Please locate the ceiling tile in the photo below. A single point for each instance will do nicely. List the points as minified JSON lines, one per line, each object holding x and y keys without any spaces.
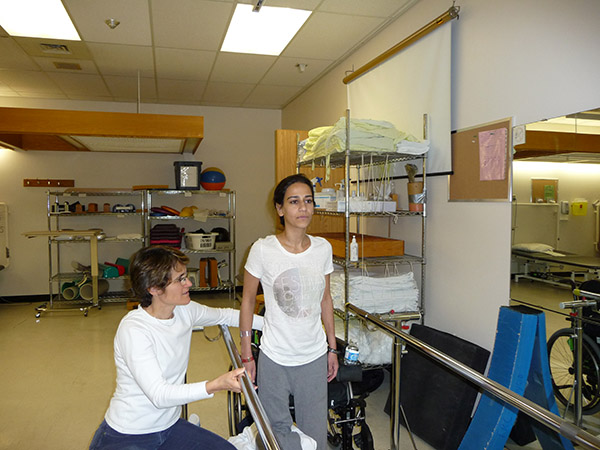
{"x":271,"y":96}
{"x":193,"y":24}
{"x":329,"y":36}
{"x":285,"y":71}
{"x":13,"y":56}
{"x":80,"y":84}
{"x":90,"y":16}
{"x":6,"y":91}
{"x":45,"y":95}
{"x":179,"y":101}
{"x":372,"y":8}
{"x":125,"y":60}
{"x":241,"y":68}
{"x":173,"y":45}
{"x":90,"y":97}
{"x":309,"y":5}
{"x":24,"y":80}
{"x":175,"y":90}
{"x":226,"y":93}
{"x":181,"y":64}
{"x":33,"y":47}
{"x":127,"y":88}
{"x":54,"y":64}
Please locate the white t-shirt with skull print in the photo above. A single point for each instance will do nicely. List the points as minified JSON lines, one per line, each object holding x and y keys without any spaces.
{"x":293,"y":285}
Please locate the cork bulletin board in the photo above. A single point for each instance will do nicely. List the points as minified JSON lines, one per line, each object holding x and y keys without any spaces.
{"x":481,"y":161}
{"x":544,"y":190}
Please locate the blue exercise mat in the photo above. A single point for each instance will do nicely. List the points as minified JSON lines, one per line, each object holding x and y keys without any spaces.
{"x":520,"y":363}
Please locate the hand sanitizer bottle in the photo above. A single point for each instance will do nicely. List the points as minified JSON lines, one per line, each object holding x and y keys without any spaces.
{"x":354,"y":249}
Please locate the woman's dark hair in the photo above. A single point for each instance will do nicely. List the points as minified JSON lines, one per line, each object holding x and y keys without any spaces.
{"x":282,"y":187}
{"x":150,"y":267}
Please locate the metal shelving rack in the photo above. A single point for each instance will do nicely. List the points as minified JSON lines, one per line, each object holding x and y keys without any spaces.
{"x":59,"y":237}
{"x":349,"y":159}
{"x":201,"y":198}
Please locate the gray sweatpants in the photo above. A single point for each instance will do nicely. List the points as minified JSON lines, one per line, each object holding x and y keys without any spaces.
{"x":308,"y":385}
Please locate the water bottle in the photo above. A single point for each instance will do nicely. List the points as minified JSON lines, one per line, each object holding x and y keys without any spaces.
{"x":353,"y":250}
{"x":351,"y":355}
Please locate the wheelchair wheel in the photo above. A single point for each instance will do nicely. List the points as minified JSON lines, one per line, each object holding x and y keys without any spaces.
{"x":561,"y":357}
{"x":235,"y":410}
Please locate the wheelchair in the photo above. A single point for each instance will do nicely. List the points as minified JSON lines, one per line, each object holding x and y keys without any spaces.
{"x":347,"y":428}
{"x":561,"y":358}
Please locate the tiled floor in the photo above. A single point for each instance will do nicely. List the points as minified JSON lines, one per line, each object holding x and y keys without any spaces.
{"x":58,"y":375}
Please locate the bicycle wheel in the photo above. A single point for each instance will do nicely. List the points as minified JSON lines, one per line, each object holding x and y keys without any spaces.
{"x":561,"y":358}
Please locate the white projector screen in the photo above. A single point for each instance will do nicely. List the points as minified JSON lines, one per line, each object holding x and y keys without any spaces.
{"x":414,"y":82}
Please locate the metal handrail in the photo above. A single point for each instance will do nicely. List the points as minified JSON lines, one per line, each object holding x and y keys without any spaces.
{"x":256,"y":409}
{"x":533,"y":410}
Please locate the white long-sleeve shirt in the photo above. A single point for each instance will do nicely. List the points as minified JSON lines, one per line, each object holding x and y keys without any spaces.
{"x":151,"y":358}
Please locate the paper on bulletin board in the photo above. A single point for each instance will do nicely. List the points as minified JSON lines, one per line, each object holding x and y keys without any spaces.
{"x":492,"y":154}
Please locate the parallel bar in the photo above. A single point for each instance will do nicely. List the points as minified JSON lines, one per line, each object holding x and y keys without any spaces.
{"x":258,"y":413}
{"x":452,"y":13}
{"x":347,"y":218}
{"x":581,"y":293}
{"x":545,"y":417}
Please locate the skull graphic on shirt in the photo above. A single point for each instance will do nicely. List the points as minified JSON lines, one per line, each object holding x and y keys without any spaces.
{"x":298,"y":291}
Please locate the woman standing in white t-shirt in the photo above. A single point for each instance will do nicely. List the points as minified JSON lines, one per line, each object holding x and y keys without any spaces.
{"x":298,"y":347}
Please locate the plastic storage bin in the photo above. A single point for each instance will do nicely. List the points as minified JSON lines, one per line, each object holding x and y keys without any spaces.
{"x":200,"y":241}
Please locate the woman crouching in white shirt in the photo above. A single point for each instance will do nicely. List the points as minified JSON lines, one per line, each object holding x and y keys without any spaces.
{"x":152,"y":348}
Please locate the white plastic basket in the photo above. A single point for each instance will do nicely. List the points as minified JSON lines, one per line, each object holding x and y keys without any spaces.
{"x":200,"y":241}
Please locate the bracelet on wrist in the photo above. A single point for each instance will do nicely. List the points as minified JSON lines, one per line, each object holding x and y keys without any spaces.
{"x":333,"y":350}
{"x":245,"y":333}
{"x":248,"y":359}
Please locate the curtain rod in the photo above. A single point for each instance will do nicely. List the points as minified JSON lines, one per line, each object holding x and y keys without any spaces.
{"x":449,"y":15}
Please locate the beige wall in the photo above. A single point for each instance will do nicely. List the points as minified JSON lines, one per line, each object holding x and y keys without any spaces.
{"x":527,"y":60}
{"x":239,"y":141}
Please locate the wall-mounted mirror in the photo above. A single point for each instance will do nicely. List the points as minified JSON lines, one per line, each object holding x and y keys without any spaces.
{"x":556,"y":226}
{"x":556,"y":197}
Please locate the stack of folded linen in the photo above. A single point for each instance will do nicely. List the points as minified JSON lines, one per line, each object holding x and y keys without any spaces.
{"x":398,"y":293}
{"x":365,"y":136}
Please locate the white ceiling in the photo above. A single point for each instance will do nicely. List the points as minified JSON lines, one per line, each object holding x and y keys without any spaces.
{"x":173,"y":47}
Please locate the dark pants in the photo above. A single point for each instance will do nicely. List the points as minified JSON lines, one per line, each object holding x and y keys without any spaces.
{"x":181,"y":435}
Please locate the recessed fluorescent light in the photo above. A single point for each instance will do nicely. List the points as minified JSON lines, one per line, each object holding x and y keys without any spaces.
{"x":38,"y":19}
{"x":262,"y":33}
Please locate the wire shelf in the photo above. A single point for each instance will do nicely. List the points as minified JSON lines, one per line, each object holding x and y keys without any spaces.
{"x":360,"y":158}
